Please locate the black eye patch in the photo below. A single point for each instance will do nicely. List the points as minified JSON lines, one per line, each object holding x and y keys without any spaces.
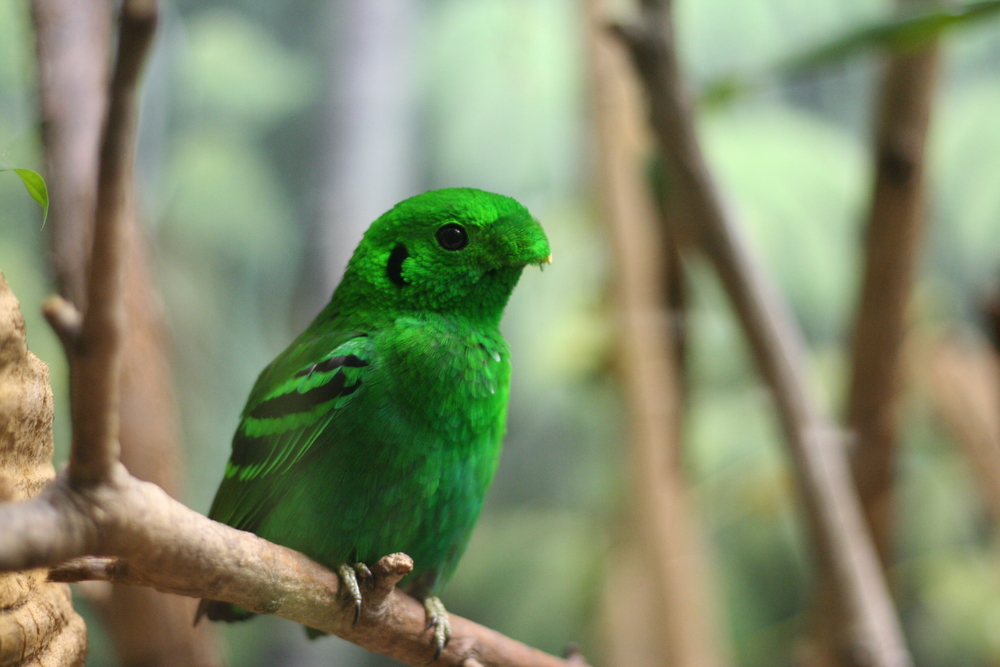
{"x":452,"y":236}
{"x":394,"y":267}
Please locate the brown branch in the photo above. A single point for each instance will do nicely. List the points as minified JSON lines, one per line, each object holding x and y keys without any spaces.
{"x":866,"y":631}
{"x":891,"y":251}
{"x":95,"y":360}
{"x":71,"y":39}
{"x":88,"y":568}
{"x":657,"y":604}
{"x":158,"y":542}
{"x":675,"y":301}
{"x":64,"y":319}
{"x":148,"y":627}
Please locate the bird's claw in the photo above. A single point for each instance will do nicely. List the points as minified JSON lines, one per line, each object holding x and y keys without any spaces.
{"x":362,"y":571}
{"x":349,"y":575}
{"x":437,"y":618}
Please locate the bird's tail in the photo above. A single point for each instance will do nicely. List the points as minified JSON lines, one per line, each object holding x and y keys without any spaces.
{"x":214,"y":610}
{"x":221,"y":611}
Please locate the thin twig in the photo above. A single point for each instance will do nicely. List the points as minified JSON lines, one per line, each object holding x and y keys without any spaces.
{"x":388,"y":572}
{"x":88,"y":568}
{"x":675,"y":299}
{"x":867,"y":631}
{"x":64,"y":319}
{"x":95,"y":364}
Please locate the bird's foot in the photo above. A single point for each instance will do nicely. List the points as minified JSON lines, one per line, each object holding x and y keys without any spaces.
{"x":437,"y":618}
{"x":362,"y":570}
{"x":349,"y":574}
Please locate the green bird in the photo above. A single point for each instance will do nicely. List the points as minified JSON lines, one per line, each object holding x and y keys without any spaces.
{"x":379,"y":428}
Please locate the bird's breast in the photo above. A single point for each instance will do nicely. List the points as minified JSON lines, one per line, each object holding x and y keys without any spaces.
{"x":451,"y":379}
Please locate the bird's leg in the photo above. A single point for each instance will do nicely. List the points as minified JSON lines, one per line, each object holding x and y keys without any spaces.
{"x":437,"y":618}
{"x":349,"y":575}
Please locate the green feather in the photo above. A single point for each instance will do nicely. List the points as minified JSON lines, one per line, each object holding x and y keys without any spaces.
{"x":379,"y":428}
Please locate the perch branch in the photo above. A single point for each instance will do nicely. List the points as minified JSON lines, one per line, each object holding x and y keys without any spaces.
{"x":867,"y":632}
{"x":149,"y":539}
{"x":88,"y":568}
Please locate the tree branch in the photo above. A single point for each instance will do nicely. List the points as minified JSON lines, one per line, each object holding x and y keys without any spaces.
{"x":867,"y":631}
{"x":657,"y":599}
{"x":891,"y":249}
{"x":71,"y":40}
{"x":95,"y":362}
{"x":155,"y":541}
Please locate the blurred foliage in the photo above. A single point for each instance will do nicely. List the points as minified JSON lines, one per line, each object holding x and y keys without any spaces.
{"x":902,"y":34}
{"x":230,"y":148}
{"x":776,"y":185}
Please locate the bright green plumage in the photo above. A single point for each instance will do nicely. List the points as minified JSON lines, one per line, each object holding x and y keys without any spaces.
{"x":378,"y":430}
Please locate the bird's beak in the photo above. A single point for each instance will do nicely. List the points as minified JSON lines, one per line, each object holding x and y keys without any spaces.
{"x":547,"y":260}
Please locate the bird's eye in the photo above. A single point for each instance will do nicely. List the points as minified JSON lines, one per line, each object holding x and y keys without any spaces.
{"x":452,"y":236}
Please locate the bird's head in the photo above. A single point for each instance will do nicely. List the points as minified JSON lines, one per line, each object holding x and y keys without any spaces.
{"x":457,"y":250}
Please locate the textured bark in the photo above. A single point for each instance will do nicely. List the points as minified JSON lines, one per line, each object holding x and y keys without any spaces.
{"x":656,"y":599}
{"x":73,"y":41}
{"x":863,"y":626}
{"x":155,"y":541}
{"x":892,"y":246}
{"x":37,"y":623}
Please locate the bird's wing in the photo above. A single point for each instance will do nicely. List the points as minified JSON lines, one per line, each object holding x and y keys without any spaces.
{"x":293,"y":402}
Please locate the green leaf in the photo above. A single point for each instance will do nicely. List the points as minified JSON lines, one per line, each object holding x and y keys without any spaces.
{"x":904,"y":33}
{"x":35,"y":185}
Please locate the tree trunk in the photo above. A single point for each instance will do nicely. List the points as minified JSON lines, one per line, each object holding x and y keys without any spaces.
{"x":38,"y":626}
